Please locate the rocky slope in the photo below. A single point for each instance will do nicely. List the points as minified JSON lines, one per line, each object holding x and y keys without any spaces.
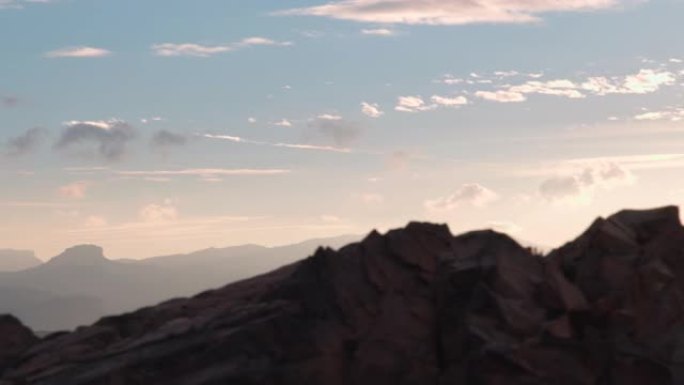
{"x":415,"y":306}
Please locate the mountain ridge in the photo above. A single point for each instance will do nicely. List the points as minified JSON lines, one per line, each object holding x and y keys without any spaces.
{"x":413,"y":306}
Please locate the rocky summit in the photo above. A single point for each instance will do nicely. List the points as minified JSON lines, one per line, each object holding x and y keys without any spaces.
{"x":415,"y":306}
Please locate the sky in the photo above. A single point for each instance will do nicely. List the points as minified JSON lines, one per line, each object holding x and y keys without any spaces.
{"x":165,"y":126}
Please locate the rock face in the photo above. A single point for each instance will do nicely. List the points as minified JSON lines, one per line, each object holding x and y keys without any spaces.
{"x":15,"y":338}
{"x":415,"y":306}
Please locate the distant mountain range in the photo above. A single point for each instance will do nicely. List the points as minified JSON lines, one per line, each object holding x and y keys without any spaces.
{"x":15,"y":260}
{"x":81,"y":285}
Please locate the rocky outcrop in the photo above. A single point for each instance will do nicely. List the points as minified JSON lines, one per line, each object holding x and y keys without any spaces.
{"x":414,"y":306}
{"x":15,"y":339}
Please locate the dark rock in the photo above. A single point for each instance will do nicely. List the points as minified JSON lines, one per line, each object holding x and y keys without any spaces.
{"x":415,"y":306}
{"x":15,"y":339}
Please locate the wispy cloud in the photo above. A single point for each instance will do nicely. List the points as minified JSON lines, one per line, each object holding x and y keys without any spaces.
{"x":78,"y":52}
{"x":200,"y":50}
{"x":385,"y":32}
{"x":205,"y":172}
{"x":296,"y":146}
{"x":472,"y":194}
{"x":446,"y":12}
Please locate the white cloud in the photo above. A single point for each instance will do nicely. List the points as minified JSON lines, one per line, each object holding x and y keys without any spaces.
{"x":189,"y":49}
{"x":329,"y":117}
{"x":671,"y":114}
{"x":200,"y":50}
{"x":95,"y":221}
{"x":470,"y":194}
{"x":501,"y":96}
{"x":371,"y":109}
{"x":412,"y":104}
{"x":296,"y":146}
{"x":644,"y":82}
{"x":378,"y":32}
{"x":78,"y":52}
{"x":559,"y":87}
{"x":449,"y":101}
{"x":446,"y":12}
{"x":283,"y":123}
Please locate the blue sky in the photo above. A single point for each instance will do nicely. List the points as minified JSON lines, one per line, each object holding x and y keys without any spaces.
{"x":164,"y":126}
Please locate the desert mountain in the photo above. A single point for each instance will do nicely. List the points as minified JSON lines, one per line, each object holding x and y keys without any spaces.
{"x":81,"y":285}
{"x":15,"y":260}
{"x":415,"y":306}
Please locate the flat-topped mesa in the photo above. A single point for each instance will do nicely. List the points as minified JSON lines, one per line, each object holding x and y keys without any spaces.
{"x":82,"y":255}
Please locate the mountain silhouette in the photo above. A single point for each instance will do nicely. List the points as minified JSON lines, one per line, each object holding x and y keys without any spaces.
{"x":81,"y":285}
{"x":15,"y":260}
{"x":414,"y":306}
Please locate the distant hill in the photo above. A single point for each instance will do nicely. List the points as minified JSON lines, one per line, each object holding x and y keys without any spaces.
{"x":15,"y":260}
{"x":81,"y":285}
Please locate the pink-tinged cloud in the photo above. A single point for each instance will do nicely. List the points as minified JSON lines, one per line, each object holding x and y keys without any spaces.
{"x":447,"y":12}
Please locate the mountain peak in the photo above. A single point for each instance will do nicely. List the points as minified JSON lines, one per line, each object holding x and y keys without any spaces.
{"x":80,"y":255}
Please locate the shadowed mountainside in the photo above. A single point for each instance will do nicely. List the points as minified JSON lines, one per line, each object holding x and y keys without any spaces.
{"x":414,"y":306}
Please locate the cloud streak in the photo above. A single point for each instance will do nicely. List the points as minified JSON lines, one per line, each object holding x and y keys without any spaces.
{"x":200,"y":50}
{"x":446,"y":12}
{"x":78,"y":52}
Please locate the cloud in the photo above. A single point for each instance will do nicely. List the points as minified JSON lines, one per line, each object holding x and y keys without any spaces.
{"x":646,"y":81}
{"x":378,"y":32}
{"x":454,"y":102}
{"x":24,"y":143}
{"x":204,"y":172}
{"x":446,"y":12}
{"x":159,"y":213}
{"x":372,"y":198}
{"x":188,"y":49}
{"x":76,"y":190}
{"x":643,"y":82}
{"x":342,"y":132}
{"x":78,"y":52}
{"x":109,"y":138}
{"x":94,"y":221}
{"x":296,"y":146}
{"x":200,"y":50}
{"x":472,"y":194}
{"x":283,"y":123}
{"x":413,"y":104}
{"x":672,"y":114}
{"x":371,"y":110}
{"x":9,"y":101}
{"x":19,"y":4}
{"x":501,"y":96}
{"x":580,"y":186}
{"x":166,"y":139}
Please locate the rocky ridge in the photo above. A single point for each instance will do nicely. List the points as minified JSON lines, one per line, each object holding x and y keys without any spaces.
{"x":415,"y":306}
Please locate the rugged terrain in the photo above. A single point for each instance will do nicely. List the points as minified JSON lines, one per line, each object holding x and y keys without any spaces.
{"x":415,"y":306}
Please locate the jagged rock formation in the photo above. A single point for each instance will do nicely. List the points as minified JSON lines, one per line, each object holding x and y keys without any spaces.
{"x":415,"y":306}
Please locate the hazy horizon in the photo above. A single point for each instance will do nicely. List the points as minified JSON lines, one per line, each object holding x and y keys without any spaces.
{"x":162,"y":127}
